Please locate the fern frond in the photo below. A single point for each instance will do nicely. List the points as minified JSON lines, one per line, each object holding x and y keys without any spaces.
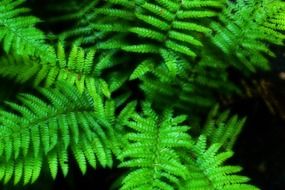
{"x":172,"y":24}
{"x":145,"y":67}
{"x":48,"y":128}
{"x":206,"y":169}
{"x":168,"y":28}
{"x":93,"y":22}
{"x":79,"y":68}
{"x":183,"y":94}
{"x":171,"y":66}
{"x":245,"y":30}
{"x":222,"y":128}
{"x":152,"y":151}
{"x":19,"y":34}
{"x":196,"y":86}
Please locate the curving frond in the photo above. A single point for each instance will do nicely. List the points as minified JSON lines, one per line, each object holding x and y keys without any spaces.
{"x":207,"y":170}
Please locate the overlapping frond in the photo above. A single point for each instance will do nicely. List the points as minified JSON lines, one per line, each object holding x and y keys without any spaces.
{"x":195,"y":86}
{"x":245,"y":30}
{"x":19,"y":34}
{"x":172,"y":29}
{"x":66,"y":120}
{"x":183,"y":94}
{"x":79,"y":68}
{"x":152,"y":152}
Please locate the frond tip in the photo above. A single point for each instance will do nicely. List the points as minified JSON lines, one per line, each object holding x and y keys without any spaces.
{"x":222,"y":128}
{"x":206,"y":170}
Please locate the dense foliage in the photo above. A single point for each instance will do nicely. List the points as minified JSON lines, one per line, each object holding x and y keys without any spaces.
{"x":131,"y":84}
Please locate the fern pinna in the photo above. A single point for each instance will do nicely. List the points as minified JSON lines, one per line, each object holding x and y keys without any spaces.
{"x":102,"y":83}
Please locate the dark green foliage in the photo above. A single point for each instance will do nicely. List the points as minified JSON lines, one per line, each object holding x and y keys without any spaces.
{"x":104,"y":80}
{"x":222,"y":128}
{"x":92,"y":22}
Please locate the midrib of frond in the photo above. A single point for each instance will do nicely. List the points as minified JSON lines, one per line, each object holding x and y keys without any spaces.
{"x":156,"y":159}
{"x":202,"y":171}
{"x":170,"y":22}
{"x":173,"y":20}
{"x":87,"y":76}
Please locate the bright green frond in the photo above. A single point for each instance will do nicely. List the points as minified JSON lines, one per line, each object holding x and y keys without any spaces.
{"x":48,"y":128}
{"x":172,"y":24}
{"x":152,"y":152}
{"x":80,"y":68}
{"x":19,"y":34}
{"x":207,"y":170}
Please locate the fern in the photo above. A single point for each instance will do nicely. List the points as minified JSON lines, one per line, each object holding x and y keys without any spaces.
{"x":207,"y":171}
{"x":153,"y":151}
{"x":165,"y":22}
{"x":50,"y":128}
{"x":94,"y":22}
{"x":18,"y":32}
{"x":161,"y":27}
{"x":171,"y":29}
{"x":88,"y":69}
{"x":199,"y":90}
{"x":222,"y":129}
{"x":77,"y":69}
{"x":245,"y":29}
{"x":159,"y":149}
